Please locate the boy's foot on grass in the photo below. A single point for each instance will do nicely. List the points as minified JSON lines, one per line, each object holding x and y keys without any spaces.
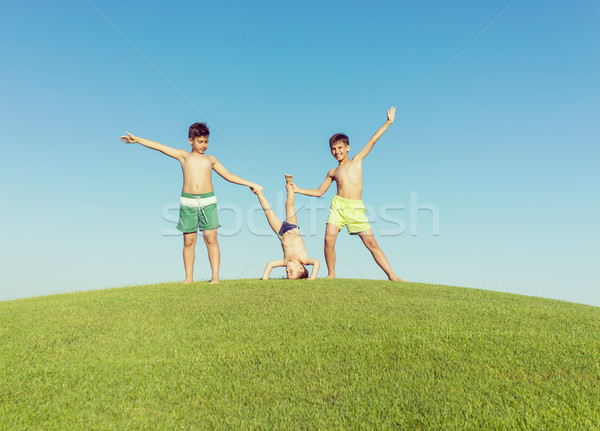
{"x":186,"y":281}
{"x":396,"y":278}
{"x":330,"y":276}
{"x":214,"y":281}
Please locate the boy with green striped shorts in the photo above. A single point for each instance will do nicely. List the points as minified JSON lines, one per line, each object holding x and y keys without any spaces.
{"x":347,"y":209}
{"x":198,"y":203}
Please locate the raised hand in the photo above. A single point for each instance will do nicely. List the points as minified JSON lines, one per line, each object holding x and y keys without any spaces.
{"x":391,"y":113}
{"x":129,"y":138}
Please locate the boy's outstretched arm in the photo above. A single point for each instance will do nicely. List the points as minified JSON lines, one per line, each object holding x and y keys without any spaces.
{"x":391,"y":113}
{"x":316,"y":192}
{"x":228,"y":176}
{"x":270,"y":266}
{"x":171,"y":152}
{"x":315,"y":264}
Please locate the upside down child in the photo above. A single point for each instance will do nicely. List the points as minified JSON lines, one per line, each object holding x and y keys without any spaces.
{"x":295,"y":257}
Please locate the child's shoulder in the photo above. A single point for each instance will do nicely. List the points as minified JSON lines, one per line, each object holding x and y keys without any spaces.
{"x":200,"y":159}
{"x":211,"y":159}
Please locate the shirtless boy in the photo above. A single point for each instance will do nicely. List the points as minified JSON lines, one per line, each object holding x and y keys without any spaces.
{"x":294,"y":251}
{"x":198,"y":202}
{"x":347,"y":209}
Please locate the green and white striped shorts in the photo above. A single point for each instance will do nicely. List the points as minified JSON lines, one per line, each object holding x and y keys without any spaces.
{"x":198,"y":211}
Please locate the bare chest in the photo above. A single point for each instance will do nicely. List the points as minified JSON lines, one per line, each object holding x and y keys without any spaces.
{"x":293,"y":245}
{"x":349,"y":173}
{"x":196,"y":165}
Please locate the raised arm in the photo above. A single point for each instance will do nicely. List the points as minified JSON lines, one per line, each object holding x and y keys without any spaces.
{"x":228,"y":176}
{"x":315,"y":264}
{"x":391,"y":113}
{"x":171,"y":152}
{"x":316,"y":192}
{"x":270,"y":266}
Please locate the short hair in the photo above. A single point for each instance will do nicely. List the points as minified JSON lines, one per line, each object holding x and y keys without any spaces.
{"x":339,"y":137}
{"x":304,"y":273}
{"x":198,"y":129}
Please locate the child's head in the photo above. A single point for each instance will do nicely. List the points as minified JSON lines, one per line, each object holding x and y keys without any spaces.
{"x":198,"y":135}
{"x":339,"y":137}
{"x":295,"y":270}
{"x":198,"y":129}
{"x":339,"y":144}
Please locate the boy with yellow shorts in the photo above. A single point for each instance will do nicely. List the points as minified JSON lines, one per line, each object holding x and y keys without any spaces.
{"x":347,"y":209}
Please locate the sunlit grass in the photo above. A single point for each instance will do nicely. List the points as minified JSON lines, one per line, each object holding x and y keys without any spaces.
{"x":340,"y":354}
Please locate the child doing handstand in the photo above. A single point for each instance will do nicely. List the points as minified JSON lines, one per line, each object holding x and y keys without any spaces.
{"x":294,"y":251}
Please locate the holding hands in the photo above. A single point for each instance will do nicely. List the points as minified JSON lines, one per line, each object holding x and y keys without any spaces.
{"x":289,"y":186}
{"x":256,"y":189}
{"x":289,"y":183}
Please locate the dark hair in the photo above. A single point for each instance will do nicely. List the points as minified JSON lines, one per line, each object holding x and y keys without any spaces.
{"x":339,"y":137}
{"x":304,"y":273}
{"x":198,"y":129}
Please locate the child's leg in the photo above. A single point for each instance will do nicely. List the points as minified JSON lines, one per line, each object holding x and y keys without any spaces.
{"x":290,"y":211}
{"x":369,"y":240}
{"x":274,"y":222}
{"x":189,"y":254}
{"x":331,"y":233}
{"x":214,"y":254}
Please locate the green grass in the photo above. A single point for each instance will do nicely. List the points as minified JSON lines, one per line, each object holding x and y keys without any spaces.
{"x":343,"y":354}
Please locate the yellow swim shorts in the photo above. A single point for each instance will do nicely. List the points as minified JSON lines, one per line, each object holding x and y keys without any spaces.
{"x":349,"y":213}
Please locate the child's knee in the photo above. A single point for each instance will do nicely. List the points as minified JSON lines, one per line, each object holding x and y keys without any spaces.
{"x":189,"y":241}
{"x":210,"y":239}
{"x":371,"y":244}
{"x":330,"y":240}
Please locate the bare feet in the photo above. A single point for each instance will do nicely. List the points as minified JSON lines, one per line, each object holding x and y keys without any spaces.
{"x":214,"y":281}
{"x":186,"y":281}
{"x":396,"y":278}
{"x":331,"y":276}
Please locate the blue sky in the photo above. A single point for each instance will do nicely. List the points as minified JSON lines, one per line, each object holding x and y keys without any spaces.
{"x":503,"y":148}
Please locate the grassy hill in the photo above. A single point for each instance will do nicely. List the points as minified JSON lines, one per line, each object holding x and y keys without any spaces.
{"x":341,"y":354}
